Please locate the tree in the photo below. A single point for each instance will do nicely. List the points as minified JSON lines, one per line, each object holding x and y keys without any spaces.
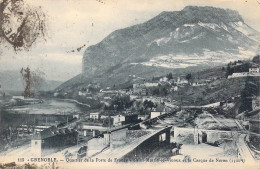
{"x":107,"y":122}
{"x":33,"y":81}
{"x":164,"y":91}
{"x":156,"y":91}
{"x":26,"y":74}
{"x":256,"y":59}
{"x":148,"y":104}
{"x":228,"y":70}
{"x":189,"y":77}
{"x":169,"y":76}
{"x":120,"y":103}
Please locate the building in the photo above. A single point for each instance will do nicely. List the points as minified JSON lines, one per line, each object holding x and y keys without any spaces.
{"x":254,"y":69}
{"x":147,"y":84}
{"x":175,"y":88}
{"x":137,"y":88}
{"x":143,"y":117}
{"x":81,"y":93}
{"x":18,"y":97}
{"x":134,"y":97}
{"x":256,"y":103}
{"x":77,"y":116}
{"x":156,"y":114}
{"x":244,"y":74}
{"x":137,"y":144}
{"x":52,"y":140}
{"x":199,"y":84}
{"x":164,"y":79}
{"x":180,"y":81}
{"x":124,"y":119}
{"x":125,"y":91}
{"x":35,"y":129}
{"x":118,"y":138}
{"x":118,"y":120}
{"x":108,"y":91}
{"x":95,"y":116}
{"x":55,"y":94}
{"x":160,"y":110}
{"x":92,"y":129}
{"x":204,"y":136}
{"x":144,"y":92}
{"x":156,"y":100}
{"x":97,"y":144}
{"x":104,"y":117}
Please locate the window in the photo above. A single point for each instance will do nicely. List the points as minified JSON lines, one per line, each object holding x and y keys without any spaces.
{"x":163,"y":137}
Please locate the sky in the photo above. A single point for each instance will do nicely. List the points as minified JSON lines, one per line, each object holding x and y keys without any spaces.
{"x":74,"y":23}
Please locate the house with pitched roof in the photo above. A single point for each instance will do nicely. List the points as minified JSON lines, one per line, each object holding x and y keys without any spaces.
{"x":52,"y":140}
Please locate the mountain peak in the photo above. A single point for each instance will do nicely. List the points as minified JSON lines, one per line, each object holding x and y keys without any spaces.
{"x":205,"y":14}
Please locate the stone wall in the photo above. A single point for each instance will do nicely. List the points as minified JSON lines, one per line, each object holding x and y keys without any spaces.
{"x":209,"y":136}
{"x":118,"y":138}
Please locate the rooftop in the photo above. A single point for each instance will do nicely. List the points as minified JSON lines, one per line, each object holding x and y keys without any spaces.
{"x":50,"y":132}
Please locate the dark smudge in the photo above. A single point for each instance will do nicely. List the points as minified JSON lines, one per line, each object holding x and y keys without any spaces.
{"x":20,"y":24}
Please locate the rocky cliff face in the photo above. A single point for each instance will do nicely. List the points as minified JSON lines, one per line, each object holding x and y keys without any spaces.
{"x":191,"y":37}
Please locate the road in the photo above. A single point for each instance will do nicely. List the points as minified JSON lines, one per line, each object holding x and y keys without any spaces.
{"x":244,"y":150}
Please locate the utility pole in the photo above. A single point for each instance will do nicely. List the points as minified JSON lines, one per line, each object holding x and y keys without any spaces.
{"x":77,"y":139}
{"x":109,"y":124}
{"x":67,"y":121}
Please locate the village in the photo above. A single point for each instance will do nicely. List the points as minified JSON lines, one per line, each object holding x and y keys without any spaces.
{"x":142,"y":121}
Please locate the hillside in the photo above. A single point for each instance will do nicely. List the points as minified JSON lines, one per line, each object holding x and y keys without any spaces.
{"x":221,"y":89}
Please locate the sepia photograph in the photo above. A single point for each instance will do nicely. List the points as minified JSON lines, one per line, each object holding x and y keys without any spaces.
{"x":129,"y":83}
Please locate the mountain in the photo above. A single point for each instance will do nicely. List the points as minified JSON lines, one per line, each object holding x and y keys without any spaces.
{"x":191,"y":37}
{"x":12,"y":81}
